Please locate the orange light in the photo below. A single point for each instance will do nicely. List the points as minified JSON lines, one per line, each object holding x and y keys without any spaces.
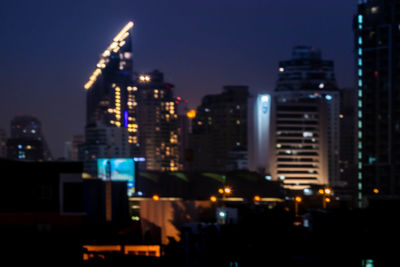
{"x":156,"y":198}
{"x":257,"y":198}
{"x":327,"y":200}
{"x":321,"y":191}
{"x":298,"y":199}
{"x":221,"y":191}
{"x":376,"y":191}
{"x":227,"y":190}
{"x":213,"y":199}
{"x":191,"y":114}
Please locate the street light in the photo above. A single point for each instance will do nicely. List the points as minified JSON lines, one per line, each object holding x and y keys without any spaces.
{"x":213,"y":199}
{"x":297,"y":200}
{"x":325,"y":192}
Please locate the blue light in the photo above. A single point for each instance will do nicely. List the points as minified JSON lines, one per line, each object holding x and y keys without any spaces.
{"x":328,"y":97}
{"x":360,"y":18}
{"x":360,"y":62}
{"x":359,"y":72}
{"x":126,"y":118}
{"x":139,"y":159}
{"x":360,"y":51}
{"x":360,"y":83}
{"x":360,"y":41}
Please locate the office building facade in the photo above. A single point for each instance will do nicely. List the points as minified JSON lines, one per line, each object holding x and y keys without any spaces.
{"x":110,"y":104}
{"x":306,"y":105}
{"x":219,"y":131}
{"x":377,"y":39}
{"x":158,"y":123}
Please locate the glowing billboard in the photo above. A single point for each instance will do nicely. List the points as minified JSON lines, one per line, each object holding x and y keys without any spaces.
{"x":117,"y":169}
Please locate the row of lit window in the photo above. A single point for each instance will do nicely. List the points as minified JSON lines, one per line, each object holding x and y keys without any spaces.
{"x":360,"y":105}
{"x":117,"y":105}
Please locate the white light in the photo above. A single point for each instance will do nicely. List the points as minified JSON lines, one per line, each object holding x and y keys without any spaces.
{"x":307,"y":134}
{"x":264,"y":98}
{"x":281,"y":69}
{"x":321,"y":86}
{"x":307,"y":191}
{"x":222,"y":214}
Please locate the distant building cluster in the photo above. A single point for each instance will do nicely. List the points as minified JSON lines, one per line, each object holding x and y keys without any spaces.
{"x":305,"y":133}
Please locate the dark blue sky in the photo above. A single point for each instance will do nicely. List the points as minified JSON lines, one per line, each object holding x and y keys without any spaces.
{"x":48,"y":49}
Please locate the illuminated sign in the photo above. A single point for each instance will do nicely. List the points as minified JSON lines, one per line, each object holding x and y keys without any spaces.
{"x":117,"y":169}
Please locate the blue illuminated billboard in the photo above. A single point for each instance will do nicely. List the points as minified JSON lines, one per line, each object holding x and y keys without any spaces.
{"x":117,"y":169}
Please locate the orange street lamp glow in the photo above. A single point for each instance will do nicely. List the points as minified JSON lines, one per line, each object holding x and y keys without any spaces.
{"x":376,"y":191}
{"x":298,"y":199}
{"x":257,"y":198}
{"x":213,"y":199}
{"x":191,"y":114}
{"x":227,"y":190}
{"x":220,"y":190}
{"x":156,"y":198}
{"x":327,"y":200}
{"x":321,"y":191}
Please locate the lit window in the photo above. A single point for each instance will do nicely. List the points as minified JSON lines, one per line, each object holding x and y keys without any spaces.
{"x":281,"y":69}
{"x":374,"y":9}
{"x":360,"y":18}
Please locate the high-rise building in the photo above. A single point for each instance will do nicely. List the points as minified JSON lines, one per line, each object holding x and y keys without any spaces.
{"x":158,"y":123}
{"x":377,"y":40}
{"x":27,"y":141}
{"x":3,"y":144}
{"x":109,"y":86}
{"x":219,"y":131}
{"x":305,"y":112}
{"x":110,"y":103}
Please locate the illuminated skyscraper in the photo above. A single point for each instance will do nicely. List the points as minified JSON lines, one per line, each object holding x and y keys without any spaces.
{"x":219,"y":131}
{"x":158,"y":121}
{"x":306,"y":121}
{"x":110,"y":86}
{"x":110,"y":102}
{"x":377,"y":57}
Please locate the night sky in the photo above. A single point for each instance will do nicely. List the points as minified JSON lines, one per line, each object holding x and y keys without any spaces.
{"x":48,"y":49}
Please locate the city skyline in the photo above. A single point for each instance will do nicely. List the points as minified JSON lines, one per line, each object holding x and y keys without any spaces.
{"x":57,"y":44}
